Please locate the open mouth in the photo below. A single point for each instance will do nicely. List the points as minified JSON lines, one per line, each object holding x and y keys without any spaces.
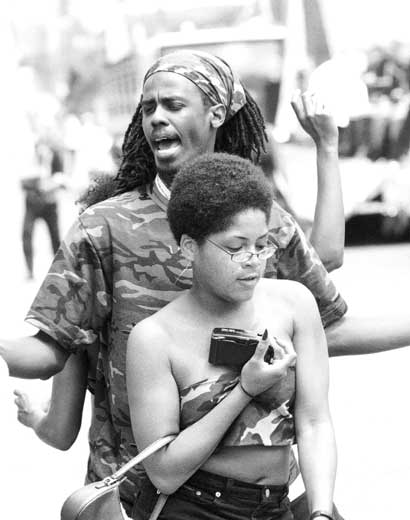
{"x":166,"y":144}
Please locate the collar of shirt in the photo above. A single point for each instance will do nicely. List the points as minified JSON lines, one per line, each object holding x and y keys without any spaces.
{"x":160,"y":193}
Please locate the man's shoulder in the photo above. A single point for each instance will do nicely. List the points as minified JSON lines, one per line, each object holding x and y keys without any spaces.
{"x":130,"y":200}
{"x":131,"y":207}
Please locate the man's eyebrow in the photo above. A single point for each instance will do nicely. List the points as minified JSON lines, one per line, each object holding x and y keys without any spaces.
{"x":166,"y":99}
{"x":173,"y":97}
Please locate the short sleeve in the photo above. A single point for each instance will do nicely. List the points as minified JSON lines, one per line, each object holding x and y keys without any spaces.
{"x":297,"y":260}
{"x":74,"y":301}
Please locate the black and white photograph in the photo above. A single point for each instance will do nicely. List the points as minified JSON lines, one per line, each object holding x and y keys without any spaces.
{"x":205,"y":267}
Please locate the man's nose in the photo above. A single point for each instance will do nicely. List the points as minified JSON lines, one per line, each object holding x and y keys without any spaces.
{"x":158,"y":116}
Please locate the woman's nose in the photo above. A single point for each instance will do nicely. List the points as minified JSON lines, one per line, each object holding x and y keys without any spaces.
{"x":254,"y":259}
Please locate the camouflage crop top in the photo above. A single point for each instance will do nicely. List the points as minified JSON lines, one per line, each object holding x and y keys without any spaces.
{"x":266,"y":420}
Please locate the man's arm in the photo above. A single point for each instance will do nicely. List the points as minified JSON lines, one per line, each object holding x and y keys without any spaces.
{"x":60,"y":424}
{"x":354,"y":334}
{"x":33,"y":357}
{"x":328,"y":229}
{"x":297,"y":260}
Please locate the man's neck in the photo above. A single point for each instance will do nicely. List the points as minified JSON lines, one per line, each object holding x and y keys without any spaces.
{"x":167,"y":177}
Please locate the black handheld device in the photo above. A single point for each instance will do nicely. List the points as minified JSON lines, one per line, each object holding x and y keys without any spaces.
{"x":234,"y":346}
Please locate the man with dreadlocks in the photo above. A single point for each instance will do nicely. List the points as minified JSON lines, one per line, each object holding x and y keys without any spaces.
{"x":119,"y":263}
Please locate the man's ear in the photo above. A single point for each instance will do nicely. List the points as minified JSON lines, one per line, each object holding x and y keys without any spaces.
{"x":188,"y":247}
{"x":218,"y":115}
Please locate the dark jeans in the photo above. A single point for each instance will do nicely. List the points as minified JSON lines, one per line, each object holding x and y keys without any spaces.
{"x":300,"y":509}
{"x":206,"y":496}
{"x":48,"y":212}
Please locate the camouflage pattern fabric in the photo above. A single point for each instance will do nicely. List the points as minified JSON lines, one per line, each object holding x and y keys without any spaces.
{"x":296,"y":259}
{"x":118,"y":265}
{"x":209,"y":73}
{"x":265,"y":421}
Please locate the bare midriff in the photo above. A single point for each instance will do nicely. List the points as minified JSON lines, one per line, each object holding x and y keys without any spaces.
{"x":264,"y":465}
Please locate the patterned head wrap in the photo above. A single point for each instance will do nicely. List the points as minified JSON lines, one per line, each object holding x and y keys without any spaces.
{"x":209,"y":73}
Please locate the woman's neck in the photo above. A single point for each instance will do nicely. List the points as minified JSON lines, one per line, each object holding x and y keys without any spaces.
{"x":219,"y":312}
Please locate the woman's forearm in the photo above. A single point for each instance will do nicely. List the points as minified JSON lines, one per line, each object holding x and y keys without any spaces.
{"x":318,"y":460}
{"x":194,"y":445}
{"x":328,"y":231}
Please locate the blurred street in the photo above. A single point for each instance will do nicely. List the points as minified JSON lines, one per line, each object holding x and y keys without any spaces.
{"x":368,"y":393}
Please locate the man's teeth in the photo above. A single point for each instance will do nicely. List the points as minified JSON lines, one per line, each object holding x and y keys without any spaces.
{"x":164,"y":144}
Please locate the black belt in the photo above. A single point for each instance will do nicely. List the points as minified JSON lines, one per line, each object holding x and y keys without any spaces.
{"x":230,"y":487}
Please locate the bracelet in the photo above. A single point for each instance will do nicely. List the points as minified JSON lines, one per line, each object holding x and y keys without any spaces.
{"x":245,"y":391}
{"x":317,"y":513}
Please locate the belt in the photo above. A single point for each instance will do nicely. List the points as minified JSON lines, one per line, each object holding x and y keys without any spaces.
{"x":219,"y":486}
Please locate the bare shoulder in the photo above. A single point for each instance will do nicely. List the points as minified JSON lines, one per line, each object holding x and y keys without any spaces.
{"x":287,"y":292}
{"x":148,"y":337}
{"x":152,"y":335}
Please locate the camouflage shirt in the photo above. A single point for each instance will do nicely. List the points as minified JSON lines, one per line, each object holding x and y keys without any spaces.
{"x":267,"y":420}
{"x":119,"y":264}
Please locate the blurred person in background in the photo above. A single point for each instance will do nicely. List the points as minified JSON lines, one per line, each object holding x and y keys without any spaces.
{"x":401,"y":143}
{"x":387,"y":80}
{"x":41,"y":198}
{"x":119,"y":263}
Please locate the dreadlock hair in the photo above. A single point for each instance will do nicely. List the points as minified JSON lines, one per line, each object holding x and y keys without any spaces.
{"x":243,"y":135}
{"x":137,"y":168}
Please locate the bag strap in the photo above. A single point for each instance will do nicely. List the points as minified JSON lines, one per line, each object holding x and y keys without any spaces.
{"x":146,"y":452}
{"x":160,"y":503}
{"x":149,"y":450}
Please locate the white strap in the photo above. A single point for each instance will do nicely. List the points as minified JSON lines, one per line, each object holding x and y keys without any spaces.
{"x":158,"y":506}
{"x":149,"y":450}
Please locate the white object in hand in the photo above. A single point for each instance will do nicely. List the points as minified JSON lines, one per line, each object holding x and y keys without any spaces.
{"x":338,"y":83}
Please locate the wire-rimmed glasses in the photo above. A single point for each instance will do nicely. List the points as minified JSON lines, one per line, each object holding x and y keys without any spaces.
{"x":244,"y":256}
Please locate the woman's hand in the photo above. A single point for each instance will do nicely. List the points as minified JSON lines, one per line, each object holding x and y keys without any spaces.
{"x":315,"y":118}
{"x":257,"y":375}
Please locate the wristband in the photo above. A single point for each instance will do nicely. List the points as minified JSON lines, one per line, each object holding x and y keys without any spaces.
{"x":318,"y":512}
{"x":245,"y":391}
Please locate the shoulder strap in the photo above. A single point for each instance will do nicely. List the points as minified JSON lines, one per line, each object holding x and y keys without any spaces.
{"x":149,"y":450}
{"x":159,"y":505}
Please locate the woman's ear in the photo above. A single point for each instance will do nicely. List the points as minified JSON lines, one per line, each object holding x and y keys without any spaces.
{"x":188,"y":247}
{"x":218,"y":115}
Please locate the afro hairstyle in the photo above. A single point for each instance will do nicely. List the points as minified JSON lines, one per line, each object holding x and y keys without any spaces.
{"x":210,"y":190}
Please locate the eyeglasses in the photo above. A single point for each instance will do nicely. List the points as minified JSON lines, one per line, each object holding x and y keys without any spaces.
{"x":244,"y":256}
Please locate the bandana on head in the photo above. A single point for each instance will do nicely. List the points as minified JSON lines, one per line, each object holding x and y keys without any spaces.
{"x":209,"y":73}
